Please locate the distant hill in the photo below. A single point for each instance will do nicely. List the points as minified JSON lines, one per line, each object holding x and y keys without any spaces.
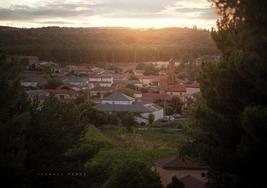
{"x":90,"y":45}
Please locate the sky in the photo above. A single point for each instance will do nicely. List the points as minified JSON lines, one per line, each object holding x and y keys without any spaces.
{"x":108,"y":13}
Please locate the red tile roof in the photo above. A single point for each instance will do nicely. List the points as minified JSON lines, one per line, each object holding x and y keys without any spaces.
{"x":176,"y":88}
{"x":175,"y":163}
{"x":155,"y":96}
{"x":151,"y":77}
{"x":193,"y":85}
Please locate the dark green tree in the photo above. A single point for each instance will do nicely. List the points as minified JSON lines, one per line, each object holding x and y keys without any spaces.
{"x":54,"y":129}
{"x":14,"y":121}
{"x":231,"y":114}
{"x":133,"y":174}
{"x":175,"y":183}
{"x":174,"y":105}
{"x":151,"y":118}
{"x":53,"y":83}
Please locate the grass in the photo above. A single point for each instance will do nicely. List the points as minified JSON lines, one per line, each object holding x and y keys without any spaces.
{"x":114,"y":157}
{"x":171,"y":139}
{"x":178,"y":124}
{"x":146,"y":146}
{"x":95,"y":135}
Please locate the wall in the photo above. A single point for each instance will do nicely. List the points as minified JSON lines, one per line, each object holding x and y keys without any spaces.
{"x":117,"y":102}
{"x":166,"y":175}
{"x":191,"y":91}
{"x":157,"y":114}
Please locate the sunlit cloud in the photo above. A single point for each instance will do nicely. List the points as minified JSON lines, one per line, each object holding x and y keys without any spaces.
{"x":97,"y":13}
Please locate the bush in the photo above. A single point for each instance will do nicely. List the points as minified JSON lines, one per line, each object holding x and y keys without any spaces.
{"x":133,"y":174}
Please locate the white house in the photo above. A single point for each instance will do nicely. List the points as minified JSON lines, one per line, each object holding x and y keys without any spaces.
{"x":118,"y":98}
{"x":119,"y":102}
{"x":101,"y":78}
{"x":76,"y":81}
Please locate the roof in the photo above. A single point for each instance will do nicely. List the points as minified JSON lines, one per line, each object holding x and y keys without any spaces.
{"x":192,"y":182}
{"x":193,"y":85}
{"x":101,"y":76}
{"x":59,"y":91}
{"x":35,"y":92}
{"x":118,"y":96}
{"x":139,"y":107}
{"x":175,"y":163}
{"x":99,"y":88}
{"x":122,"y":108}
{"x":155,"y":96}
{"x":74,"y":79}
{"x":139,"y":71}
{"x":177,"y":88}
{"x":151,"y":77}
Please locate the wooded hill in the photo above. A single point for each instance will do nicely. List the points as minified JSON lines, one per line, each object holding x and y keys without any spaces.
{"x":90,"y":45}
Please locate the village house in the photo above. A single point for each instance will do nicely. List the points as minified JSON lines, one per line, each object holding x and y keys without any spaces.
{"x":37,"y":95}
{"x":119,"y":102}
{"x":76,"y":81}
{"x":137,"y":95}
{"x":192,"y":89}
{"x":32,"y":80}
{"x":100,"y":84}
{"x":53,"y":67}
{"x":177,"y":91}
{"x":62,"y":94}
{"x":99,"y":92}
{"x":153,"y":81}
{"x":139,"y":72}
{"x":152,"y":97}
{"x":118,"y":98}
{"x":183,"y":168}
{"x":101,"y":78}
{"x":98,"y":70}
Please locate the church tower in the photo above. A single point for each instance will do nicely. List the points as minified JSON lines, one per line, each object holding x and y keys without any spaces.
{"x":171,"y":72}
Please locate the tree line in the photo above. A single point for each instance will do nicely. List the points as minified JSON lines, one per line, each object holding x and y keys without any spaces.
{"x":90,"y":45}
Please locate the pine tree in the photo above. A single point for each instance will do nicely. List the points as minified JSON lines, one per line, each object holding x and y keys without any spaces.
{"x":14,"y":120}
{"x":231,"y":115}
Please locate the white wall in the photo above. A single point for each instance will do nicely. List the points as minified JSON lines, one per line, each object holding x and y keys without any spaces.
{"x":191,"y":91}
{"x":157,"y":114}
{"x":117,"y":102}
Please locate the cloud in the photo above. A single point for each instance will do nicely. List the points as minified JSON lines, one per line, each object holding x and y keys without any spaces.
{"x":69,"y":11}
{"x":49,"y":10}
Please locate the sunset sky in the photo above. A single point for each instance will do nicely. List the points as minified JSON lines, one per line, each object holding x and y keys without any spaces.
{"x":108,"y":13}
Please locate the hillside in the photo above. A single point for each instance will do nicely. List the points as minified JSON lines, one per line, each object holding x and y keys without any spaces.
{"x":89,"y":45}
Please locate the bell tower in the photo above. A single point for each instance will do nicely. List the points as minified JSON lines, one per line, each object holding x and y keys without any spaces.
{"x":171,"y":72}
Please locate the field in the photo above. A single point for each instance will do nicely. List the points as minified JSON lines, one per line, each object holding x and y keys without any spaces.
{"x":142,"y":144}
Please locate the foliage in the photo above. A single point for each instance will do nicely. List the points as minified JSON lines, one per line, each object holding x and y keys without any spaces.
{"x":175,"y":183}
{"x":231,"y":115}
{"x":14,"y":121}
{"x":151,"y":118}
{"x":95,"y":135}
{"x":132,"y":77}
{"x":90,"y":45}
{"x":112,"y":158}
{"x":150,"y":69}
{"x":53,"y":83}
{"x":180,"y":124}
{"x":173,"y":106}
{"x":93,"y":116}
{"x":133,"y":174}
